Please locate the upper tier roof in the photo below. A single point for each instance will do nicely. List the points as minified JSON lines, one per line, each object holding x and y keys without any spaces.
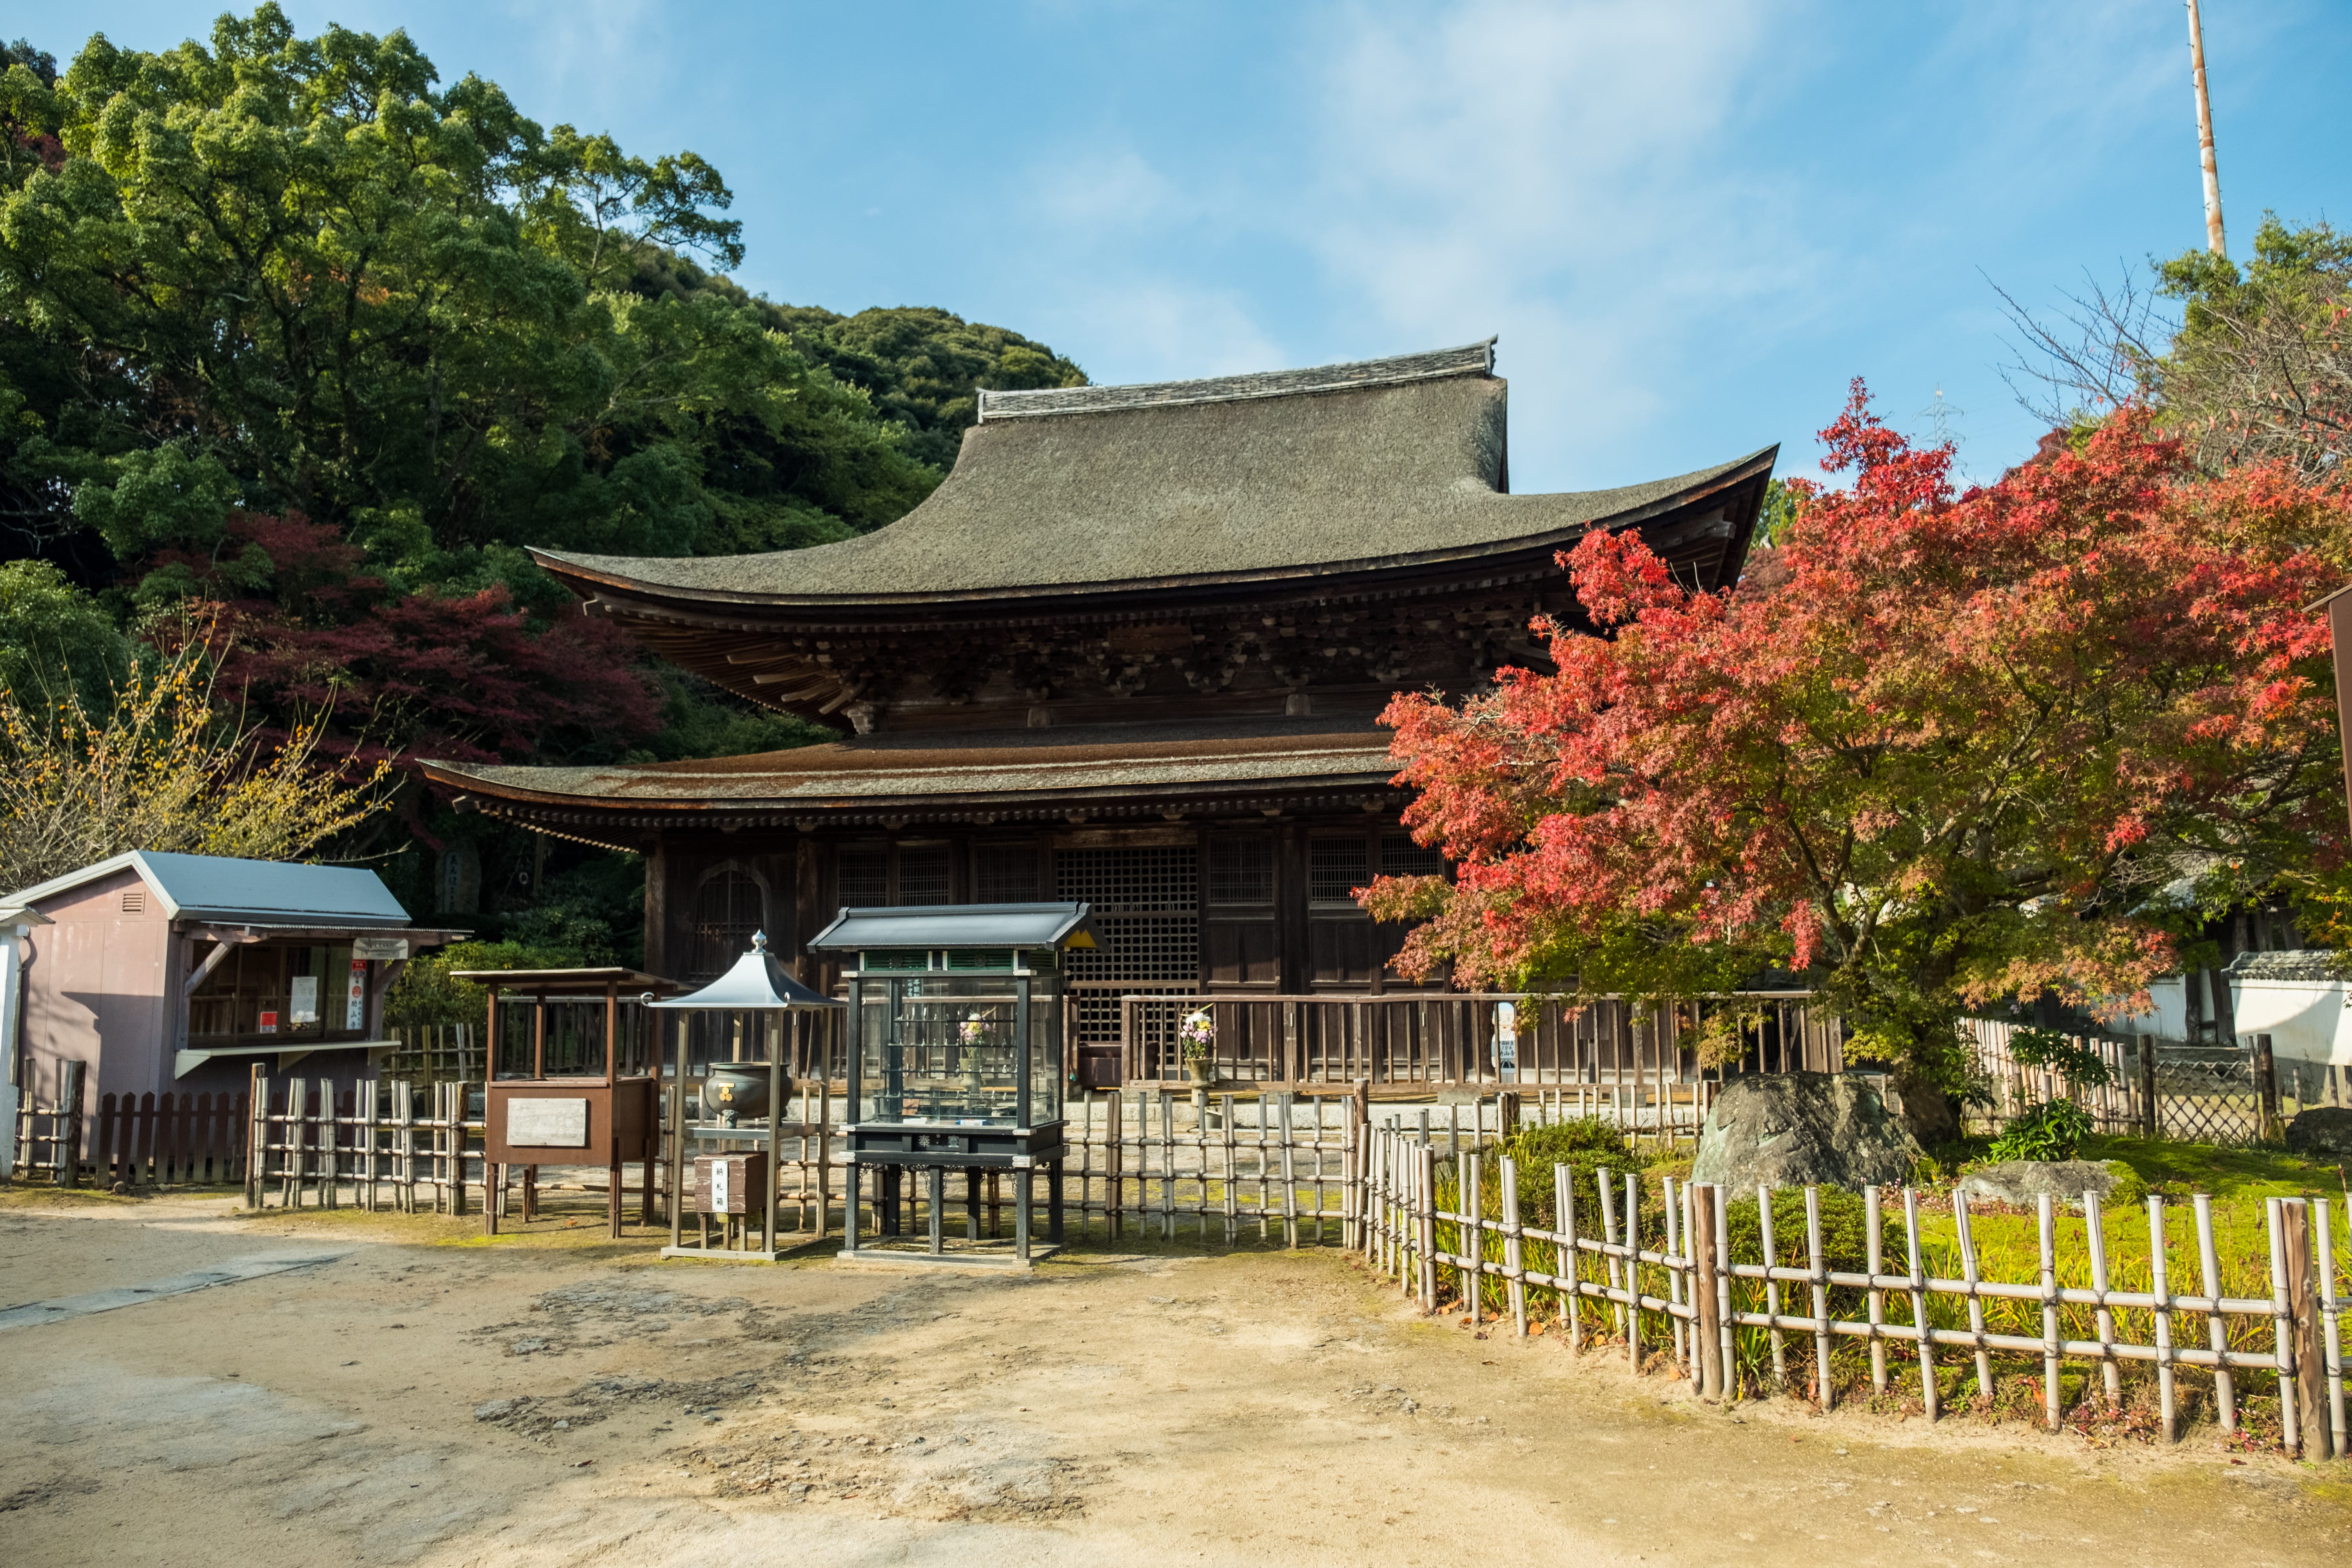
{"x":1383,"y":462}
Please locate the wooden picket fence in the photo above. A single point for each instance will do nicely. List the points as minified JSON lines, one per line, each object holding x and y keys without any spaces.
{"x":1677,"y":1300}
{"x":149,"y":1139}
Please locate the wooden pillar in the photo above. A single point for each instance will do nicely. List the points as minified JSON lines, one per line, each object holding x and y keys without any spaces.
{"x":2151,"y":1123}
{"x":1297,"y":971}
{"x":2266,"y":1090}
{"x":1709,"y":1335}
{"x":71,"y":1096}
{"x":2310,"y":1340}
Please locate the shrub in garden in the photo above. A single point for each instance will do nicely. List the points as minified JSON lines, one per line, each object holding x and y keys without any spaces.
{"x":2054,"y":1129}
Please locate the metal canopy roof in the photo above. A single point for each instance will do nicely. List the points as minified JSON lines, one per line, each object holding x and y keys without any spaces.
{"x":757,"y":984}
{"x":960,"y":925}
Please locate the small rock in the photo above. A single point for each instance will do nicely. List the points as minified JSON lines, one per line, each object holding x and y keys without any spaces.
{"x":2021,"y":1183}
{"x":526,"y":1347}
{"x":494,"y":1410}
{"x":2322,"y":1129}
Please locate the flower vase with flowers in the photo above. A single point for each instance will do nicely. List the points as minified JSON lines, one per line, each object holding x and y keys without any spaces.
{"x":1198,"y":1036}
{"x":975,"y":1035}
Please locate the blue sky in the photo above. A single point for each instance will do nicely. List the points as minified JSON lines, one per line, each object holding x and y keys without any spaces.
{"x":1689,"y":222}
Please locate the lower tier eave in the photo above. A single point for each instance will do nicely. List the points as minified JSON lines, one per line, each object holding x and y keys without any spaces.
{"x":635,"y":830}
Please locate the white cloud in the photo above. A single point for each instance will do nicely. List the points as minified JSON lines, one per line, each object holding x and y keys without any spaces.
{"x":1559,"y":174}
{"x":1143,"y":328}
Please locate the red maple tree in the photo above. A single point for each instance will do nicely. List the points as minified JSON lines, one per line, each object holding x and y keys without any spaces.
{"x":301,"y":629}
{"x":1941,"y":749}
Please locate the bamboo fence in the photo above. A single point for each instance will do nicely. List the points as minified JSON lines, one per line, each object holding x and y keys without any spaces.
{"x":1665,"y":1282}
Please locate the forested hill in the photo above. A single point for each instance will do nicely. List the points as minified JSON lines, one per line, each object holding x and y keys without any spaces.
{"x":301,"y":345}
{"x":298,"y":338}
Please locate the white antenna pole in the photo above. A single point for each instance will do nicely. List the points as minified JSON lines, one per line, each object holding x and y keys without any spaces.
{"x":2205,"y":135}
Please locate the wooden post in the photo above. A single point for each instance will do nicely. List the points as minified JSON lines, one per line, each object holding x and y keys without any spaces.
{"x":457,"y":1148}
{"x":1710,"y":1315}
{"x":2151,"y":1121}
{"x":2310,"y":1357}
{"x":256,"y":1133}
{"x":2266,"y":1087}
{"x":69,"y":1132}
{"x":677,"y":1164}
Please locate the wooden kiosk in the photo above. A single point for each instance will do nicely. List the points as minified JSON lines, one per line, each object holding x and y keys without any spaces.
{"x":574,"y":1080}
{"x":727,"y":1160}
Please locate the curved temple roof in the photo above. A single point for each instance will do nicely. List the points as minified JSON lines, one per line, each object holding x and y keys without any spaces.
{"x":1380,"y":463}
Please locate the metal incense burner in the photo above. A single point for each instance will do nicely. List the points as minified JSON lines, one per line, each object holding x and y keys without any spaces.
{"x":956,"y":1019}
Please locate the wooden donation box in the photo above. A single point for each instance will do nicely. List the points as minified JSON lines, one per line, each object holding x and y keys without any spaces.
{"x":574,"y":1080}
{"x":730,"y":1183}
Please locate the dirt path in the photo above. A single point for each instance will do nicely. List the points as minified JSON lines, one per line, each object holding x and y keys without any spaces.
{"x":426,"y":1400}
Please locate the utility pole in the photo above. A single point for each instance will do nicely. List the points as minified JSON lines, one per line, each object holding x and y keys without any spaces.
{"x":2205,"y":135}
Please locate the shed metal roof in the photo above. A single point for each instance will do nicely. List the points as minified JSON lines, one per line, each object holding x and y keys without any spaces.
{"x":958,"y":925}
{"x":228,"y":890}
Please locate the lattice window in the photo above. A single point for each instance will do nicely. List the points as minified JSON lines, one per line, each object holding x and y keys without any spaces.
{"x":727,"y":910}
{"x":865,"y":878}
{"x":1004,"y":874}
{"x":923,"y":876}
{"x":1146,"y":910}
{"x":1240,"y":868}
{"x":1401,"y":857}
{"x":1336,"y":867}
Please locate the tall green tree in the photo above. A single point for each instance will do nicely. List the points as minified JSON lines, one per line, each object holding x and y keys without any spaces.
{"x":298,"y":275}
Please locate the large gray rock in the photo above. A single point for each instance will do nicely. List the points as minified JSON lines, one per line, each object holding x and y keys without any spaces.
{"x":1802,"y":1129}
{"x":2021,"y":1183}
{"x":2322,"y":1129}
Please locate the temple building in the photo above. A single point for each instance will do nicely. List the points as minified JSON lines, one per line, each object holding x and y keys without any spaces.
{"x":1132,"y":651}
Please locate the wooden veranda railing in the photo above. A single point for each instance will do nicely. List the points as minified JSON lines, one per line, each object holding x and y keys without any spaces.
{"x":1446,"y":1038}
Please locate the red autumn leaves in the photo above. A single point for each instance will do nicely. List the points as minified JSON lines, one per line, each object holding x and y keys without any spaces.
{"x":1946,"y":755}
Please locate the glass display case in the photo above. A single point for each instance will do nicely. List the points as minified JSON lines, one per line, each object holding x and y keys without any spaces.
{"x":956,"y":1016}
{"x":975,"y":1045}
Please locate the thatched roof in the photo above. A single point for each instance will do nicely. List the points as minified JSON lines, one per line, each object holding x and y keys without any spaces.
{"x":1386,"y":462}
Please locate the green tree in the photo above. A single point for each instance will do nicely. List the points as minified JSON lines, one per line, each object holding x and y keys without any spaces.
{"x":2261,"y":368}
{"x":297,"y":275}
{"x":57,"y":643}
